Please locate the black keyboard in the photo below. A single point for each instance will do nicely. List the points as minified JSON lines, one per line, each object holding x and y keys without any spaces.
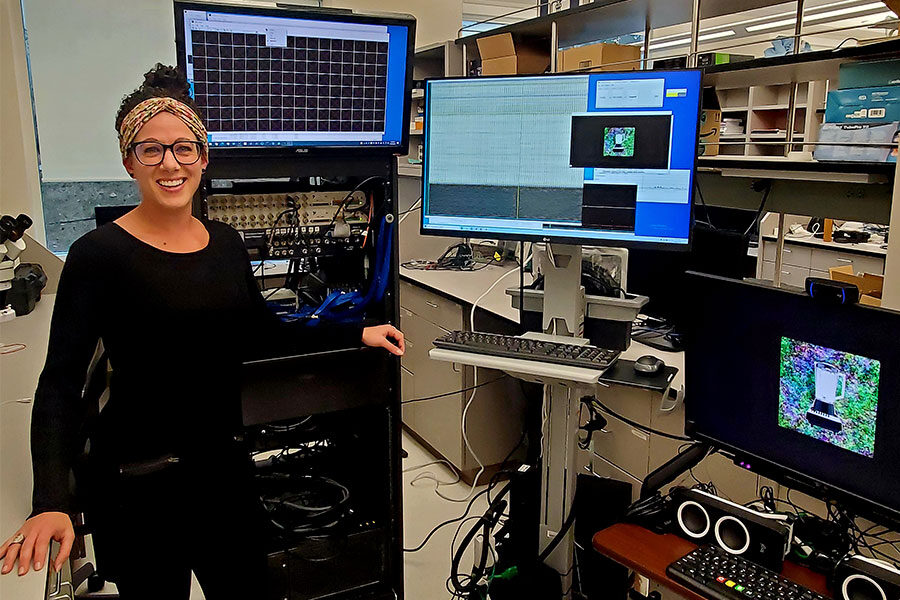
{"x":588,"y":357}
{"x":715,"y":574}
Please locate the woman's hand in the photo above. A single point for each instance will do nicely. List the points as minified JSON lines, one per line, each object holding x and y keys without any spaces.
{"x":384,"y":336}
{"x":38,"y":531}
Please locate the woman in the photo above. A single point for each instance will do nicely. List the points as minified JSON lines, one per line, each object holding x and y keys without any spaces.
{"x":176,"y":305}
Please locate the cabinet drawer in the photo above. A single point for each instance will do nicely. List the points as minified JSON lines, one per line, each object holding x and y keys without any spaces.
{"x":793,"y":276}
{"x":623,"y":446}
{"x":439,"y":422}
{"x":433,"y":307}
{"x":822,"y":260}
{"x":408,"y":391}
{"x":420,"y":335}
{"x":795,"y":256}
{"x":603,"y":468}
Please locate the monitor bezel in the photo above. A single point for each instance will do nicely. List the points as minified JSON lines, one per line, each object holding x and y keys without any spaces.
{"x":300,"y":12}
{"x":558,"y":239}
{"x":782,"y":474}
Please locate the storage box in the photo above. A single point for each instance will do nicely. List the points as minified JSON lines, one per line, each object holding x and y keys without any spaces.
{"x":501,"y":56}
{"x":599,"y":57}
{"x":880,"y":133}
{"x":677,"y":62}
{"x":720,"y":58}
{"x":607,"y":321}
{"x":863,"y":105}
{"x":710,"y":128}
{"x":873,"y":73}
{"x":704,"y":59}
{"x":870,"y":285}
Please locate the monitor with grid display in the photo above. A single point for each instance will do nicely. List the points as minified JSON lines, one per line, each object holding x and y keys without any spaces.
{"x":263,"y":80}
{"x":312,"y":84}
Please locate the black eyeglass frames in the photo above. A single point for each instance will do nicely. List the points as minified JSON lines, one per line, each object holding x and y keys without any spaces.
{"x":150,"y":154}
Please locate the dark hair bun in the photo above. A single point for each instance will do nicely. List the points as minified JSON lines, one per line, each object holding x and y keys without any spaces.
{"x":159,"y":82}
{"x":165,"y":77}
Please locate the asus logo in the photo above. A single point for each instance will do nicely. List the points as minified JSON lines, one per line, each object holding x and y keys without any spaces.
{"x":301,"y":150}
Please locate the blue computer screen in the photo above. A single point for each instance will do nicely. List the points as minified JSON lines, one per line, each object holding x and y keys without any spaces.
{"x":279,"y":81}
{"x":601,"y":159}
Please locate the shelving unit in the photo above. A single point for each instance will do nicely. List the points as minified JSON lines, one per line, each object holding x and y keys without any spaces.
{"x":766,"y":107}
{"x":436,"y":60}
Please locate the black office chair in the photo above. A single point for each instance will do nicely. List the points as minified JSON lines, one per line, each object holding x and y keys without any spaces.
{"x":95,"y":386}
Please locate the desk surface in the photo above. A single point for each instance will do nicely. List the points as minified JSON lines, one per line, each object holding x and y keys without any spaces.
{"x":807,"y":240}
{"x":19,"y":372}
{"x":649,"y":554}
{"x":467,"y":286}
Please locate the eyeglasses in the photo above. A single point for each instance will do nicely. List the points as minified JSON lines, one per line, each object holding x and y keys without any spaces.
{"x":151,"y":154}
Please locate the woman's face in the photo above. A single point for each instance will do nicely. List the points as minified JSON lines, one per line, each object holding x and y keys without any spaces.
{"x":170,"y":184}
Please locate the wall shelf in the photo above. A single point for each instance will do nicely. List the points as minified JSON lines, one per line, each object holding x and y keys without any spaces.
{"x":871,"y":170}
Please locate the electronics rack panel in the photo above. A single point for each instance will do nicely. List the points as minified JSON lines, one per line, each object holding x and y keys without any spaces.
{"x":326,"y":530}
{"x":297,"y":224}
{"x":309,"y":214}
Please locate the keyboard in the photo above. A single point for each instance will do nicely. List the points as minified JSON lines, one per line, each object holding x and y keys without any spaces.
{"x":715,"y":574}
{"x":587,"y":357}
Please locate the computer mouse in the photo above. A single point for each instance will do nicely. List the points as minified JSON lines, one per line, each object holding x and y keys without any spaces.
{"x":648,"y":365}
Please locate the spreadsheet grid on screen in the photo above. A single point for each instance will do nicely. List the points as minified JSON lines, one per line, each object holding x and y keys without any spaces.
{"x":603,"y":158}
{"x":267,"y":80}
{"x":249,"y":86}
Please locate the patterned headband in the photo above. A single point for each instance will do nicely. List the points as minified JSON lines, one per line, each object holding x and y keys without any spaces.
{"x":148,"y":109}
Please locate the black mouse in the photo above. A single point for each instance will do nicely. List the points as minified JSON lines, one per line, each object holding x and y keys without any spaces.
{"x":648,"y":365}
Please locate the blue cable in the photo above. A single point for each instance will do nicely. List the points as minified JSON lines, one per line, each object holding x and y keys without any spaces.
{"x":349,"y":307}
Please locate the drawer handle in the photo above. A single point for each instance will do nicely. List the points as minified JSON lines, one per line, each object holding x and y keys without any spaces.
{"x":431,"y":304}
{"x":788,"y":250}
{"x":845,"y":260}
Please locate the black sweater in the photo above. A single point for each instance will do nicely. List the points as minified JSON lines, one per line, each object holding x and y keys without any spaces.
{"x":176,"y":328}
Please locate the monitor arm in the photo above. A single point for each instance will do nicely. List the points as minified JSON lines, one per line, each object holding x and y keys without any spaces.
{"x":687,"y":459}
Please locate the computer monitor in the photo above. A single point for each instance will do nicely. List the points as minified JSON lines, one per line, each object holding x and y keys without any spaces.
{"x":595,"y":159}
{"x":719,"y":247}
{"x":800,"y":390}
{"x":297,"y":80}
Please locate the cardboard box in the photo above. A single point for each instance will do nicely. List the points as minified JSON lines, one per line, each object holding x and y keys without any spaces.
{"x":872,"y":73}
{"x":863,"y":105}
{"x":710,"y":128}
{"x":501,"y":56}
{"x":599,"y":57}
{"x":870,"y":285}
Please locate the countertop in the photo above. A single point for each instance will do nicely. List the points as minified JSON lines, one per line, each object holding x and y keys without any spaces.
{"x":19,"y":373}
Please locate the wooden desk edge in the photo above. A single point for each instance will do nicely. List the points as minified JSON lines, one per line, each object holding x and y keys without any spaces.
{"x":628,"y":545}
{"x":649,"y":554}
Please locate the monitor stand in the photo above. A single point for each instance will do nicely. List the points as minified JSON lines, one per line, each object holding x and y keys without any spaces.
{"x":564,"y":301}
{"x":564,"y":386}
{"x":563,"y":317}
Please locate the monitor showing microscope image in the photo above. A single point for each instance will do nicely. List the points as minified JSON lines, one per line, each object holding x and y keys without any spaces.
{"x":829,"y":395}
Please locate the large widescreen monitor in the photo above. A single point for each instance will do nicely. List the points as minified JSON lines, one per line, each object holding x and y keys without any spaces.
{"x":800,"y":390}
{"x":599,"y":159}
{"x":297,"y":80}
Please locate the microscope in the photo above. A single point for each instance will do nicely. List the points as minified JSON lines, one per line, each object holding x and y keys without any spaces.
{"x":20,"y":285}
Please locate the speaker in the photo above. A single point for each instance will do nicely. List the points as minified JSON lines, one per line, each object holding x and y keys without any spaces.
{"x":863,"y":578}
{"x":704,"y":518}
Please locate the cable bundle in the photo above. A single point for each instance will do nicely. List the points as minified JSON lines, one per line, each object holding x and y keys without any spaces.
{"x":310,"y":504}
